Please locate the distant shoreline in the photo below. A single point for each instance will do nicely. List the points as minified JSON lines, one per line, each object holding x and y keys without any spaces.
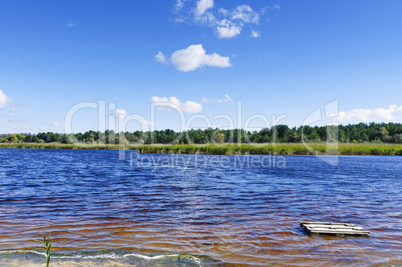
{"x":233,"y":149}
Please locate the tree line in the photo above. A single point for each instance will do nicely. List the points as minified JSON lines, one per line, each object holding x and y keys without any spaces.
{"x":352,"y":133}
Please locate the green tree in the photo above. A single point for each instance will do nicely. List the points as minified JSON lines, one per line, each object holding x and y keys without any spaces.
{"x":14,"y":138}
{"x":397,"y":138}
{"x":384,"y":134}
{"x":220,"y":138}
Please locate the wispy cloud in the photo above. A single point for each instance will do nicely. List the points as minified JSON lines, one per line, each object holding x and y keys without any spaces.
{"x":228,"y":29}
{"x":246,"y":14}
{"x":194,"y":57}
{"x":49,"y":126}
{"x":21,"y":128}
{"x":366,"y":115}
{"x":71,"y":24}
{"x":178,"y":6}
{"x":227,"y":99}
{"x":161,"y":58}
{"x":204,"y":100}
{"x":17,"y":120}
{"x":149,"y":123}
{"x":120,"y":113}
{"x":226,"y":23}
{"x":255,"y":34}
{"x":224,"y":12}
{"x":174,"y":103}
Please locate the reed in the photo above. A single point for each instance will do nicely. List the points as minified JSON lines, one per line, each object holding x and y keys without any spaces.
{"x":276,"y":149}
{"x":231,"y":149}
{"x":48,"y":246}
{"x":58,"y":146}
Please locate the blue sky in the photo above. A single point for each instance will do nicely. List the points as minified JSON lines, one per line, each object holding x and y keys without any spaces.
{"x":278,"y":58}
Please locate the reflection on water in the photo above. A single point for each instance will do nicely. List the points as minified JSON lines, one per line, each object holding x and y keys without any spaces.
{"x":92,"y":201}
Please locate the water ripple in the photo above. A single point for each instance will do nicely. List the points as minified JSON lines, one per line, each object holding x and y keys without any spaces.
{"x":92,"y":201}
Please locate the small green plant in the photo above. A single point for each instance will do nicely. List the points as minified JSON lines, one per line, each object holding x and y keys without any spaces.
{"x":48,"y":245}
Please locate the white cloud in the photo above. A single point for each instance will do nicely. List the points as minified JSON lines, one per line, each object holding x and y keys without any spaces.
{"x":179,"y":20}
{"x":161,"y":58}
{"x":4,"y":100}
{"x":246,"y":14}
{"x":377,"y":114}
{"x":264,"y":9}
{"x":120,"y":112}
{"x":226,"y":23}
{"x":179,"y":5}
{"x":49,"y":126}
{"x":173,"y":102}
{"x":227,"y":99}
{"x":207,"y":18}
{"x":195,"y":56}
{"x":10,"y":115}
{"x":70,"y":24}
{"x":223,"y":11}
{"x":149,"y":123}
{"x":228,"y":29}
{"x":255,"y":34}
{"x":204,"y":5}
{"x":276,"y":6}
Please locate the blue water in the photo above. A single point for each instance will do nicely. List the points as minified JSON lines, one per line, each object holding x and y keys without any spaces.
{"x":210,"y":207}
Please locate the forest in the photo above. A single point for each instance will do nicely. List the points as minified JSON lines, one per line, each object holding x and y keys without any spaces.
{"x":352,"y":133}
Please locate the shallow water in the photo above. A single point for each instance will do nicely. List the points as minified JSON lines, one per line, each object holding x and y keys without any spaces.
{"x":209,"y":207}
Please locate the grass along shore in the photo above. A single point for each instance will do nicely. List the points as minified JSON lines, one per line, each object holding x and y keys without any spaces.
{"x":231,"y":149}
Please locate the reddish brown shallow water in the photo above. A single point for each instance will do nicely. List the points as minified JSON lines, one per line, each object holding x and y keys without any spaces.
{"x":91,"y":202}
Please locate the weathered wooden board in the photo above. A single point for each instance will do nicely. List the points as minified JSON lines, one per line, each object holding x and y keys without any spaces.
{"x":328,"y":228}
{"x":327,"y":223}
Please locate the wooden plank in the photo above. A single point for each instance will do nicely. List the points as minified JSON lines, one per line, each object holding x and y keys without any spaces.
{"x":327,"y":223}
{"x":328,"y":228}
{"x":335,"y":227}
{"x":334,"y":230}
{"x":331,"y":225}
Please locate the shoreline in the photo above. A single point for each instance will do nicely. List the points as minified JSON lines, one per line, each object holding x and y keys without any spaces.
{"x":343,"y":149}
{"x":35,"y":258}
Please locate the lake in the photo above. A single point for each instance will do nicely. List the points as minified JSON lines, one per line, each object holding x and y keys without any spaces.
{"x":101,"y":206}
